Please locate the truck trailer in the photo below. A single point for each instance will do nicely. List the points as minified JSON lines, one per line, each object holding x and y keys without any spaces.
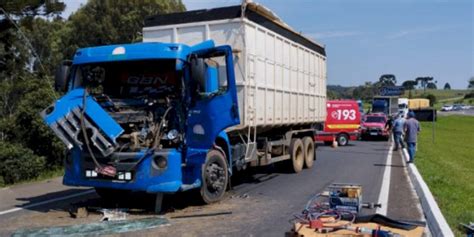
{"x":385,"y":104}
{"x":177,"y":112}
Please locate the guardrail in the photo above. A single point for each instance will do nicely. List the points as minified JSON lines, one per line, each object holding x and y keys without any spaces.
{"x":434,"y":218}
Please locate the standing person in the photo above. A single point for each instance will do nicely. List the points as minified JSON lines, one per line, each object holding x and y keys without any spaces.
{"x":412,"y":128}
{"x":389,"y":124}
{"x":398,"y":128}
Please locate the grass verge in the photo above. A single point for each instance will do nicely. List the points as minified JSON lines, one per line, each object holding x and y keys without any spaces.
{"x":47,"y":174}
{"x":447,"y":166}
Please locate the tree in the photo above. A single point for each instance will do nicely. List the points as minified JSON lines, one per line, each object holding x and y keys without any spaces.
{"x":366,"y":91}
{"x":423,"y":81}
{"x":432,"y":98}
{"x":409,"y":84}
{"x":25,"y":89}
{"x":447,"y":86}
{"x":471,"y":83}
{"x":432,"y":86}
{"x":387,"y":80}
{"x":101,"y":22}
{"x":32,"y":8}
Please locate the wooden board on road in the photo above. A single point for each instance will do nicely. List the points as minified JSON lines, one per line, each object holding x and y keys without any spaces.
{"x":303,"y":230}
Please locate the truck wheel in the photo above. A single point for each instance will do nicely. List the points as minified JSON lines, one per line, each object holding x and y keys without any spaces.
{"x":342,"y":139}
{"x":297,"y":154}
{"x":308,"y":145}
{"x":215,"y":177}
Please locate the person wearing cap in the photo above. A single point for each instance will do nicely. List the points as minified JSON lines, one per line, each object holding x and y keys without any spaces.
{"x":412,"y":128}
{"x":398,"y":128}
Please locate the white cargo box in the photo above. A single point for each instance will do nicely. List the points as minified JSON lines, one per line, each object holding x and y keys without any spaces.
{"x":280,"y":75}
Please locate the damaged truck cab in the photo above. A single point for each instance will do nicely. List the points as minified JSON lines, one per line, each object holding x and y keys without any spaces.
{"x":146,"y":117}
{"x":169,"y":117}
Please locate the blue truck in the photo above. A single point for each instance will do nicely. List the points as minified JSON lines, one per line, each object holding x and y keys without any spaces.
{"x":169,"y":117}
{"x":385,"y":104}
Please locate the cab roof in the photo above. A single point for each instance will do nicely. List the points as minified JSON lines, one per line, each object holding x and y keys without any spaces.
{"x":135,"y":51}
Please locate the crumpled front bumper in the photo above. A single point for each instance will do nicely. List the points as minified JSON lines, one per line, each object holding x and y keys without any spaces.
{"x":146,"y":175}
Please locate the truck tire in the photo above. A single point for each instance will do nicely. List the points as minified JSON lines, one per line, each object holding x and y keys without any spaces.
{"x":215,"y":177}
{"x":342,"y":139}
{"x":308,"y":145}
{"x":297,"y":154}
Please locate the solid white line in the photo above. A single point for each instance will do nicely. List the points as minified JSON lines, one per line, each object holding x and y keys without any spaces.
{"x":384,"y":190}
{"x":46,"y":202}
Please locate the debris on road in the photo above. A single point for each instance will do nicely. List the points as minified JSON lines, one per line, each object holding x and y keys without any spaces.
{"x":95,"y":229}
{"x":114,"y":215}
{"x":336,"y":211}
{"x":203,"y":215}
{"x":78,"y":212}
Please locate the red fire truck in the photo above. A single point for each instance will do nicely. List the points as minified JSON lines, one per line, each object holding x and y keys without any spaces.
{"x":342,"y":122}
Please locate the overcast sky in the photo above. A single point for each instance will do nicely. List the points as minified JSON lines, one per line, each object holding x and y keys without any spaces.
{"x":367,"y":38}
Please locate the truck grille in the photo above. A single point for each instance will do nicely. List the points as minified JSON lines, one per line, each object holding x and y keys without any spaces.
{"x":68,"y":129}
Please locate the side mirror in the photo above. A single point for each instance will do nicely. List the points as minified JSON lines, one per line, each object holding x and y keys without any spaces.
{"x":206,"y":75}
{"x":198,"y":72}
{"x":61,"y":76}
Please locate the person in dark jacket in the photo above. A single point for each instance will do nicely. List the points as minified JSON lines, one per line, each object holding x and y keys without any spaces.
{"x":412,"y":128}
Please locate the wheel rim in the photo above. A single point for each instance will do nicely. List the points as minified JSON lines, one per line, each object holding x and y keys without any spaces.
{"x":215,"y":179}
{"x":342,"y":140}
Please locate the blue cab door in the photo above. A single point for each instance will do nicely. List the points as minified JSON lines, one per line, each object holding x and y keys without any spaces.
{"x":213,"y":92}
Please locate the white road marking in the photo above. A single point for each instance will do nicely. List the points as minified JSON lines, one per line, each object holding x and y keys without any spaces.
{"x":46,"y":202}
{"x":383,"y":196}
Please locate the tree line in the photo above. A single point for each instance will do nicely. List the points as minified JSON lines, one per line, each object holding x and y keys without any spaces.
{"x":369,"y":89}
{"x":34,"y":39}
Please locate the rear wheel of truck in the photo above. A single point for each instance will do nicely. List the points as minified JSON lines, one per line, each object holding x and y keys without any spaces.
{"x":215,"y":177}
{"x":342,"y":139}
{"x":297,"y":154}
{"x":308,"y":145}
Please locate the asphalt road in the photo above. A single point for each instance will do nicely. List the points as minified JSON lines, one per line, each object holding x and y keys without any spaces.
{"x":262,"y":201}
{"x":469,"y":112}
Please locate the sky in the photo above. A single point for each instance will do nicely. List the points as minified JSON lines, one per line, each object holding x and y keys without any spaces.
{"x":367,"y":38}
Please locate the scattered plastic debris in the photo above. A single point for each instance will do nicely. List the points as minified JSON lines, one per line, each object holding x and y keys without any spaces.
{"x":78,"y":212}
{"x":114,"y":215}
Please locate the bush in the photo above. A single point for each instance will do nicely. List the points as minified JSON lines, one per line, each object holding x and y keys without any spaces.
{"x":469,"y":95}
{"x":18,"y":163}
{"x":430,"y":97}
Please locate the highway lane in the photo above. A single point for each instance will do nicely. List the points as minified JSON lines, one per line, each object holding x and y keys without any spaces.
{"x":262,"y":201}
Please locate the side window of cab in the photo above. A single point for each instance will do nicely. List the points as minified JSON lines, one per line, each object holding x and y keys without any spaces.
{"x":210,"y":75}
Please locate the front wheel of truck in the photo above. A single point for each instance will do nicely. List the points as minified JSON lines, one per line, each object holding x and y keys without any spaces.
{"x":215,"y":177}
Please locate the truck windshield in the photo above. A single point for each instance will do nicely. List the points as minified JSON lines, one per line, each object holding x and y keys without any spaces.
{"x":129,"y":78}
{"x":375,"y":119}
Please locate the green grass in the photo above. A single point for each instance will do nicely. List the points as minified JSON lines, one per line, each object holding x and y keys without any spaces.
{"x":440,"y":94}
{"x":447,"y":166}
{"x":47,"y":174}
